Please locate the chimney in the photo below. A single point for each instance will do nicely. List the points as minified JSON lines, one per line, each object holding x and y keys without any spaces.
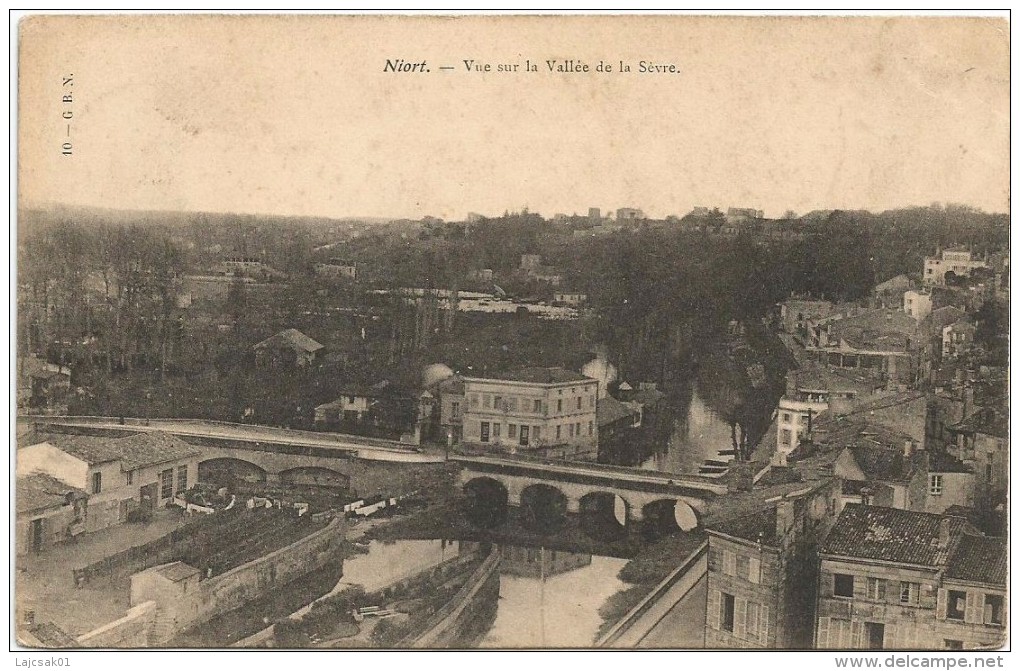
{"x":944,"y":533}
{"x":785,"y":519}
{"x":791,"y":384}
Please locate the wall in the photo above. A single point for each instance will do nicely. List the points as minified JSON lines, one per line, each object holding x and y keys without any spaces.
{"x":45,"y":458}
{"x":904,"y":624}
{"x":180,"y":608}
{"x":54,"y":527}
{"x":765,"y":593}
{"x":972,"y":631}
{"x":130,"y":631}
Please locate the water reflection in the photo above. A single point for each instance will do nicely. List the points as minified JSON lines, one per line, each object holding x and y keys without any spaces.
{"x":699,"y":434}
{"x":550,"y":598}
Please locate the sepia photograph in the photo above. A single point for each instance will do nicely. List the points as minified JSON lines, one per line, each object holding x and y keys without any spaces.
{"x":511,"y":332}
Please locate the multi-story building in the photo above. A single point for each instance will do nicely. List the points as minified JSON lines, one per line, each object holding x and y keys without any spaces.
{"x":957,"y":339}
{"x":879,"y":342}
{"x":981,"y":440}
{"x":762,"y":569}
{"x":900,"y":579}
{"x":957,"y":260}
{"x":917,"y":304}
{"x":539,"y":410}
{"x":337,"y":269}
{"x":144,"y":470}
{"x":741,"y":214}
{"x":629,"y":214}
{"x":796,"y":312}
{"x":810,"y":391}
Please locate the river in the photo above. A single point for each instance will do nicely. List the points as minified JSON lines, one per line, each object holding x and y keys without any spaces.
{"x":698,"y":434}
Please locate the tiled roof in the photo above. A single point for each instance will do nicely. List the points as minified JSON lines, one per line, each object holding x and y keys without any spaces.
{"x":610,"y":411}
{"x":884,"y":463}
{"x":758,"y":526}
{"x":543,"y":376}
{"x":291,"y":338}
{"x":134,"y":451}
{"x":986,"y":420}
{"x":39,"y":490}
{"x":979,"y":559}
{"x":156,"y":447}
{"x":879,"y":330}
{"x":943,"y":462}
{"x":893,"y":535}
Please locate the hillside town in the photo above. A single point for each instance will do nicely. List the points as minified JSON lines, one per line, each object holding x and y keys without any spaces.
{"x":733,"y":431}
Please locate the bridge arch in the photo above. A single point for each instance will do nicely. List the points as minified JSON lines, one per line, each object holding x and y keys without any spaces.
{"x":227,"y":470}
{"x":543,"y":507}
{"x":666,"y":516}
{"x":318,"y":476}
{"x":486,"y":502}
{"x":604,"y":514}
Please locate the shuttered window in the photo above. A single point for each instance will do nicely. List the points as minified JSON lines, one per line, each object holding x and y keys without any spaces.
{"x":876,"y":589}
{"x":729,"y":563}
{"x":837,"y":634}
{"x":754,"y":570}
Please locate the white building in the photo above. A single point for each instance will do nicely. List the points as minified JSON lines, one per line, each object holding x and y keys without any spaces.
{"x":545,"y":410}
{"x":957,"y":260}
{"x":917,"y":304}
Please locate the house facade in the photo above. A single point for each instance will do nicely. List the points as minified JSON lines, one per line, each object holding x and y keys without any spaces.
{"x":917,"y":304}
{"x":957,"y":260}
{"x":336,"y":269}
{"x":287,"y":349}
{"x":533,"y":410}
{"x":886,"y":581}
{"x":762,"y":569}
{"x":119,"y":475}
{"x":49,"y":511}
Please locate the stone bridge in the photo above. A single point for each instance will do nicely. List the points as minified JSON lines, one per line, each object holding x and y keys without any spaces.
{"x":578,"y":482}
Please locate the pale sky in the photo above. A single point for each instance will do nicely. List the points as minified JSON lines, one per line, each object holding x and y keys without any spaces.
{"x":295,"y":116}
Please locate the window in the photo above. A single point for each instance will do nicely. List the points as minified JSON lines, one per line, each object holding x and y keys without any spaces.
{"x":511,"y":404}
{"x":537,"y":432}
{"x":842,"y":585}
{"x":166,"y":484}
{"x":875,"y":633}
{"x":785,"y":437}
{"x":473,"y":400}
{"x":455,"y":409}
{"x":953,"y":644}
{"x":993,"y":609}
{"x":591,"y":401}
{"x":485,"y":432}
{"x":754,"y":570}
{"x":728,"y":609}
{"x":577,"y":429}
{"x":182,"y":478}
{"x":97,"y":483}
{"x":753,"y":620}
{"x":908,"y":592}
{"x":558,"y":431}
{"x":536,"y":405}
{"x":559,"y":405}
{"x":729,"y":563}
{"x":787,"y":417}
{"x":524,"y":435}
{"x":511,"y":431}
{"x":129,"y":477}
{"x":497,"y":402}
{"x":876,"y":589}
{"x":578,"y":402}
{"x":591,"y":428}
{"x":957,"y":605}
{"x":486,"y":401}
{"x":570,"y":430}
{"x":496,"y":429}
{"x":935,"y":485}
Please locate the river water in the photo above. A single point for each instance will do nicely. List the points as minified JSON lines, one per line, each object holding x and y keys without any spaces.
{"x":547,"y":598}
{"x":698,"y":434}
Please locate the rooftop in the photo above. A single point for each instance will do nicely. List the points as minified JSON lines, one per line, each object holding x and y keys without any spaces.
{"x":610,"y":411}
{"x":39,"y":490}
{"x":290,"y":338}
{"x":882,"y":463}
{"x":541,"y":376}
{"x":979,"y":559}
{"x":894,"y":535}
{"x":757,"y":526}
{"x":988,"y":421}
{"x":134,"y":451}
{"x":176,"y":571}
